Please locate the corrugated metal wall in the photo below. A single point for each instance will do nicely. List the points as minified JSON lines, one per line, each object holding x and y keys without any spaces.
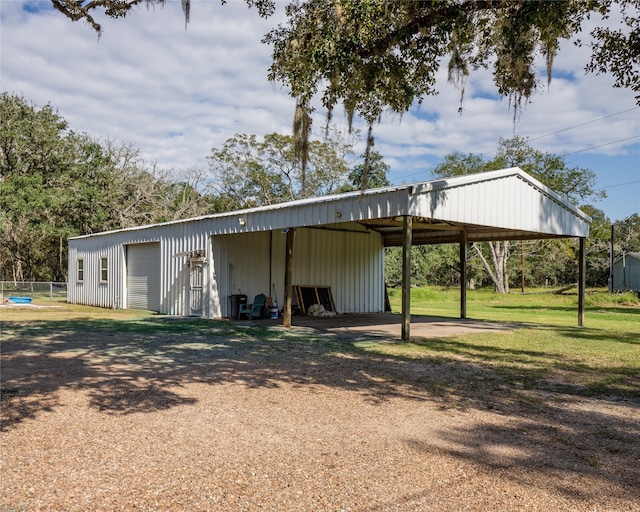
{"x":627,"y":277}
{"x":91,"y":291}
{"x":241,"y":266}
{"x":346,"y":257}
{"x":324,"y":211}
{"x":506,"y":202}
{"x":176,"y":241}
{"x":349,"y":259}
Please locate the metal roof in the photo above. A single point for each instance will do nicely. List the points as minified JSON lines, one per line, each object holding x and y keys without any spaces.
{"x":499,"y":205}
{"x":632,"y":255}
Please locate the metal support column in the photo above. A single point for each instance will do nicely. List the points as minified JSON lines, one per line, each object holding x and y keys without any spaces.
{"x":582,"y":271}
{"x":407,"y":228}
{"x":611,"y":255}
{"x":463,"y":274}
{"x":288,"y":276}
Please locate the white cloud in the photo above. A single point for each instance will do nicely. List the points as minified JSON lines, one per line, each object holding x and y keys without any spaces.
{"x":177,"y":93}
{"x":147,"y":80}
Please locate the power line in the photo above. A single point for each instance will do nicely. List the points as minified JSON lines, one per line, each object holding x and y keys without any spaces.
{"x":566,"y":129}
{"x":565,"y":154}
{"x":619,"y":184}
{"x":602,"y":145}
{"x":583,"y":124}
{"x":575,"y":126}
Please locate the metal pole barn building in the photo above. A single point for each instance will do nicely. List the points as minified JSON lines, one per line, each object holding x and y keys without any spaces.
{"x":193,"y":266}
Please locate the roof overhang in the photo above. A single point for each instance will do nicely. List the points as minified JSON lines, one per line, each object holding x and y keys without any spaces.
{"x":499,"y":205}
{"x":427,"y":231}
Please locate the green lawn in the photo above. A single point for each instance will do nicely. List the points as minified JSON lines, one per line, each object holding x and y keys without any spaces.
{"x":612,"y":312}
{"x":547,"y":352}
{"x":603,"y":356}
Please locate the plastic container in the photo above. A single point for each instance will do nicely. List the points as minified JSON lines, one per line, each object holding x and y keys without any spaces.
{"x":236,"y":300}
{"x":20,"y":300}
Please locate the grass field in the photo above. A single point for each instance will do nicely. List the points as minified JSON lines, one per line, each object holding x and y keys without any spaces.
{"x":39,"y":292}
{"x":603,"y":357}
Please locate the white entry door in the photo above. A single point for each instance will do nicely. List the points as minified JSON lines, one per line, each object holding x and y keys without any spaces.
{"x":195,"y":287}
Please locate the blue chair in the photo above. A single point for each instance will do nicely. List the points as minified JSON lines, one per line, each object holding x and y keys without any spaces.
{"x":253,"y":309}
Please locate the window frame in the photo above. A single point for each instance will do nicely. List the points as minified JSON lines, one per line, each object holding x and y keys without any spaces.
{"x":80,"y":270}
{"x":104,"y":269}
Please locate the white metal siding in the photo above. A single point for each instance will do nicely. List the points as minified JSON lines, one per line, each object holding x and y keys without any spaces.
{"x":506,"y":202}
{"x":178,"y":241}
{"x":143,"y":276}
{"x":347,"y":258}
{"x":241,"y":266}
{"x":175,"y":242}
{"x":627,"y":277}
{"x":91,"y":291}
{"x":504,"y":199}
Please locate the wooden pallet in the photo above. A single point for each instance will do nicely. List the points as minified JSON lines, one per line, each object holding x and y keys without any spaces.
{"x":308,"y":295}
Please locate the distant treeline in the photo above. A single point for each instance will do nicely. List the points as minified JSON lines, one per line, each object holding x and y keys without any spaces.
{"x":56,"y":183}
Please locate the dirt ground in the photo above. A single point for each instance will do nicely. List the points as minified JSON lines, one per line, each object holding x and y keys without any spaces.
{"x":225,"y":420}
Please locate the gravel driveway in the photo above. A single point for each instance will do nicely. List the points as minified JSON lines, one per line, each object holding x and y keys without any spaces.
{"x":220,"y":419}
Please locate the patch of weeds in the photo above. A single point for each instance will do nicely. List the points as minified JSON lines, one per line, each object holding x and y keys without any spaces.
{"x":592,"y":460}
{"x":10,"y":389}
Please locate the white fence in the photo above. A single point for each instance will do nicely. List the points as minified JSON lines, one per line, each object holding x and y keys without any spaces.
{"x":41,"y":290}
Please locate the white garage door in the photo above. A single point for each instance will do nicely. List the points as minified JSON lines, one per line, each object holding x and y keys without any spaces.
{"x":143,"y":276}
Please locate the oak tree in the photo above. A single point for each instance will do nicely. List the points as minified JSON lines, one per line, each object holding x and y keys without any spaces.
{"x":248,"y":171}
{"x":370,"y":56}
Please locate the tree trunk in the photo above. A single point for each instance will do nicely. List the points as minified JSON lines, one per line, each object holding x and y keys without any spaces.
{"x":498,"y":269}
{"x":505,"y":273}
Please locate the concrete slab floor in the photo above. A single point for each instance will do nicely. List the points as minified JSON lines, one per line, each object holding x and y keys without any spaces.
{"x":389,"y":325}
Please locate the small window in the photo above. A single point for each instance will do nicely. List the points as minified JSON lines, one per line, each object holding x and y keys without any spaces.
{"x":103,"y":270}
{"x":81,"y":271}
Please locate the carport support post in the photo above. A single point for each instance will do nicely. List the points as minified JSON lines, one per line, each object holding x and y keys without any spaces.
{"x":463,"y":274}
{"x":288,"y":273}
{"x":581,"y":279}
{"x":407,"y":226}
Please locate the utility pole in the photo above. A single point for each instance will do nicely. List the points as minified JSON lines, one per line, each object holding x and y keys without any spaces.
{"x":611,"y":261}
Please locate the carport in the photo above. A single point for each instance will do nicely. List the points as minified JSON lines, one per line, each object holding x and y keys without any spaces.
{"x":192,"y":267}
{"x":500,"y":205}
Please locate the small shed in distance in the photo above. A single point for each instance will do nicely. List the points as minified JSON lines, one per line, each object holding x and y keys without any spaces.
{"x":626,"y":273}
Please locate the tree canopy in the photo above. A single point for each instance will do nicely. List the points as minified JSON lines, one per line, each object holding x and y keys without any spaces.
{"x":575,"y":183}
{"x":56,"y":183}
{"x":370,"y":56}
{"x":249,"y":172}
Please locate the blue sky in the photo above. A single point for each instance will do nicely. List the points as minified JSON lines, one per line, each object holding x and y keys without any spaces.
{"x":176,"y":93}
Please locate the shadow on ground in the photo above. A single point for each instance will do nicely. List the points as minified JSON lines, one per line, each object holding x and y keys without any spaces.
{"x":555,"y":427}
